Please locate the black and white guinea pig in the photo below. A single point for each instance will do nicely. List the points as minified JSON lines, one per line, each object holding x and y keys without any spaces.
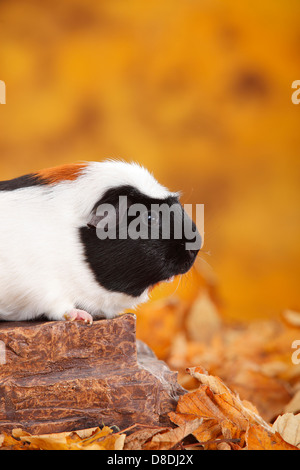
{"x":53,"y":263}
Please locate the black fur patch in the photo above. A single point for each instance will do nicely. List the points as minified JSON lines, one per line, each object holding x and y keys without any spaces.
{"x":131,"y":266}
{"x":20,"y":182}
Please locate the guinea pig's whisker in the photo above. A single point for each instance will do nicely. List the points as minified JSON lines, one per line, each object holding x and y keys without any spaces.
{"x":178,"y":284}
{"x":205,"y":266}
{"x":208,"y":253}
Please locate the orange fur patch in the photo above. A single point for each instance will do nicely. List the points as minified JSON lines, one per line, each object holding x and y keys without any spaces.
{"x":57,"y":174}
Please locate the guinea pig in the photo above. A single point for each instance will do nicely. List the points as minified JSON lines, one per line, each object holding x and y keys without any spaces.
{"x":56,"y":261}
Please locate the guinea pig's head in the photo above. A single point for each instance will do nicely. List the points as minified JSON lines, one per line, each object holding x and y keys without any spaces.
{"x":134,"y":240}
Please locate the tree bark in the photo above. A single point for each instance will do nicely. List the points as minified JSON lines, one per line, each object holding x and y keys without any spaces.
{"x":62,"y":376}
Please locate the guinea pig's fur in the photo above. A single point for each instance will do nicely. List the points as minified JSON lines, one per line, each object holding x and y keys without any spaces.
{"x":51,"y":259}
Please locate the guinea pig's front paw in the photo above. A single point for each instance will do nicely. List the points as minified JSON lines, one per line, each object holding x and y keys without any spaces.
{"x":78,"y":315}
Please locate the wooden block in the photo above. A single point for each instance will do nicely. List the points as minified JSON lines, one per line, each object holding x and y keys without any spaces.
{"x":63,"y":376}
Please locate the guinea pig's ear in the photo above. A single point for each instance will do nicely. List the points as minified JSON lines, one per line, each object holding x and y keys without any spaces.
{"x":94,"y":219}
{"x":109,"y":214}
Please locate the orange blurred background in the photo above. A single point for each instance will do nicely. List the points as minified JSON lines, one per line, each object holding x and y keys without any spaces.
{"x":197,"y":91}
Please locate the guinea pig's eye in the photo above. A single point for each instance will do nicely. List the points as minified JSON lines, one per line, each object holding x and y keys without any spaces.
{"x":152,"y":217}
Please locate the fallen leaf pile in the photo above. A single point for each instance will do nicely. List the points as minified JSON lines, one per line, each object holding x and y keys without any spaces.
{"x":215,"y":416}
{"x":225,"y":417}
{"x":254,"y":360}
{"x":243,"y":382}
{"x":259,"y":360}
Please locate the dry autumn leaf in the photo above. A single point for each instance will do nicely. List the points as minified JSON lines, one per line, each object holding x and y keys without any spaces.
{"x":169,"y":439}
{"x":87,"y":439}
{"x":291,"y":317}
{"x":240,"y":411}
{"x":288,"y":426}
{"x":208,"y":430}
{"x":9,"y":442}
{"x":137,"y":439}
{"x":294,"y":405}
{"x":258,"y":438}
{"x":203,"y":321}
